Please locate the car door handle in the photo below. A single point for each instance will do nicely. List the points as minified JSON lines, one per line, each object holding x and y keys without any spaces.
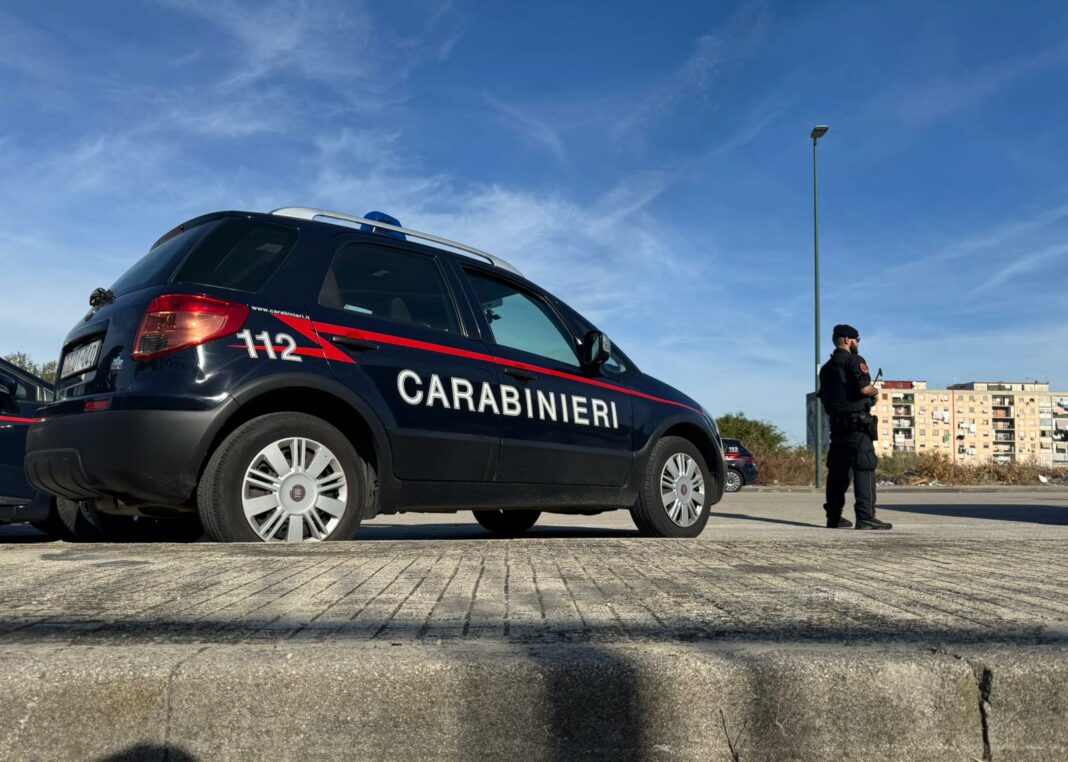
{"x":357,"y":345}
{"x":522,"y":375}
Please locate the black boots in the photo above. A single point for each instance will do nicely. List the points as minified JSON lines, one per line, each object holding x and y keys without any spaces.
{"x":837,"y":522}
{"x":873,"y":523}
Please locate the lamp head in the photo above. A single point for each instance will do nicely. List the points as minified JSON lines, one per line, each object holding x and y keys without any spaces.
{"x":819,"y":131}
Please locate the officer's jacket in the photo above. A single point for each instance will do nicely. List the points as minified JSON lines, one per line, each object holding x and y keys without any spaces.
{"x":841,"y":379}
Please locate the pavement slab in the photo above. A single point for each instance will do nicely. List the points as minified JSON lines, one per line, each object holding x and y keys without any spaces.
{"x":769,"y":637}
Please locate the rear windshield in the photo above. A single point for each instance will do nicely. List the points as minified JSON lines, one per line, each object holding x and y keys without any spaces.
{"x":233,"y":253}
{"x":156,"y":267}
{"x":733,"y":446}
{"x":238,"y":254}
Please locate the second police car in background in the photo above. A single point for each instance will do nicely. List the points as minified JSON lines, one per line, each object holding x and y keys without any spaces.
{"x":280,"y":377}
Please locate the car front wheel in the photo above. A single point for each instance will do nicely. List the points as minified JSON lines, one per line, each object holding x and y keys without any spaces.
{"x":675,"y":498}
{"x":283,"y":477}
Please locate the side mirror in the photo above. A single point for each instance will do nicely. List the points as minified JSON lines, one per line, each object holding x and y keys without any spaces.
{"x":596,"y":349}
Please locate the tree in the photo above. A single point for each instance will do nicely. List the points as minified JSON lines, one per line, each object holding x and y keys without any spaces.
{"x":47,"y":370}
{"x":758,"y":436}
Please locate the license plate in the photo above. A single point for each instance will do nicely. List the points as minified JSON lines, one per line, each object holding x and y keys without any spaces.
{"x":81,"y":359}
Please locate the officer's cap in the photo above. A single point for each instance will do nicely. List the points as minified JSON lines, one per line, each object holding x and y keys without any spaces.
{"x":845,"y":331}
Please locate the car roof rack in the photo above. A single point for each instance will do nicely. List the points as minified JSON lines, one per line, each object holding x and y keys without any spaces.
{"x":308,"y":213}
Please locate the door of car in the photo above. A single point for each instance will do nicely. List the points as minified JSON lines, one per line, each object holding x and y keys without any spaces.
{"x":393,"y":333}
{"x":559,"y":425}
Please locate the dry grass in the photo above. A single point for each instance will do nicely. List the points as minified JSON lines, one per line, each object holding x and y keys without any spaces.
{"x":795,"y":466}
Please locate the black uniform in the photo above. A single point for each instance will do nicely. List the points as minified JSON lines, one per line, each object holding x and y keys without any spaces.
{"x":841,"y":379}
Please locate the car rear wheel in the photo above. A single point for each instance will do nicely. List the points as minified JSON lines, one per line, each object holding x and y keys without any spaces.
{"x":76,"y":519}
{"x":53,"y":525}
{"x":674,"y":499}
{"x":507,"y":523}
{"x":283,"y":477}
{"x":735,"y":481}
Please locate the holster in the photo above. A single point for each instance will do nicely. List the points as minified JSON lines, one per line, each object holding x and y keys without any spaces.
{"x":869,"y":424}
{"x":865,"y":423}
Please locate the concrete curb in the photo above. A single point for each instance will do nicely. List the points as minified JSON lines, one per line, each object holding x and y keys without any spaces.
{"x":1052,"y":488}
{"x":495,"y":701}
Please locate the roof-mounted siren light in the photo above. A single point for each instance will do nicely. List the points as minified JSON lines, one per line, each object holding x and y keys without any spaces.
{"x":382,"y":217}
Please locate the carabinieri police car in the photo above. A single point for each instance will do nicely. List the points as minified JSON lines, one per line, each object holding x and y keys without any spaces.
{"x":280,"y":377}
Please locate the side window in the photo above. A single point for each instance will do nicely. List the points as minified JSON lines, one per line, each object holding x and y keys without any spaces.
{"x":522,"y":321}
{"x":390,"y":284}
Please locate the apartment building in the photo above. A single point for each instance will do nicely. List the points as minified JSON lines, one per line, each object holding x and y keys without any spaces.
{"x":976,"y":422}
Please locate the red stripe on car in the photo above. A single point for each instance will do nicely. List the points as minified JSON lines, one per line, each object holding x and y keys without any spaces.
{"x":314,"y":331}
{"x":18,"y":419}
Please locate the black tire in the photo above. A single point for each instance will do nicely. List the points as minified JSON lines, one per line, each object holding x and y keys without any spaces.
{"x":76,"y":519}
{"x":53,"y":525}
{"x":735,"y":480}
{"x":219,"y":494}
{"x":147,"y":529}
{"x":649,"y":513}
{"x":507,"y":523}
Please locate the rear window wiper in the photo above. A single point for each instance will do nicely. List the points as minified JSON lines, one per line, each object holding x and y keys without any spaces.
{"x":100,"y":297}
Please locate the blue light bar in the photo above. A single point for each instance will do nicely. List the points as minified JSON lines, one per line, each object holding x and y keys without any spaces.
{"x":382,"y":217}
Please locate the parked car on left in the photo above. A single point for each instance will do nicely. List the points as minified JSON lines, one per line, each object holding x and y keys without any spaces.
{"x":21,"y":395}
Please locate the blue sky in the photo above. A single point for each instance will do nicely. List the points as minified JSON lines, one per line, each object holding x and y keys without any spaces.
{"x":652,"y":169}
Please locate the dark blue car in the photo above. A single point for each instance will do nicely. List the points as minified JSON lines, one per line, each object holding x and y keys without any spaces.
{"x":282,"y":376}
{"x":22,"y":395}
{"x":741,"y":465}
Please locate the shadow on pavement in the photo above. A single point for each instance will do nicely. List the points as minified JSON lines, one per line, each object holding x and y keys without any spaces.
{"x":376,"y":530}
{"x":764,"y":519}
{"x":1030,"y":514}
{"x":251,"y":630}
{"x":143,"y":752}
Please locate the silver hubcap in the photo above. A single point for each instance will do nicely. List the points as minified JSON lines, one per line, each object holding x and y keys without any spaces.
{"x":734,"y":481}
{"x":294,"y":491}
{"x":682,"y":488}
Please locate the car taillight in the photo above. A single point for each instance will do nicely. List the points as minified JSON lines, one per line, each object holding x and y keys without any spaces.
{"x":177,"y":321}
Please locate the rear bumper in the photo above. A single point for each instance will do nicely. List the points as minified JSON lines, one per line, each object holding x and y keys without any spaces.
{"x":138,"y":456}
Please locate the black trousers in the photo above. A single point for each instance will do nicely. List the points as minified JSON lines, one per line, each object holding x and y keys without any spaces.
{"x":851,"y":456}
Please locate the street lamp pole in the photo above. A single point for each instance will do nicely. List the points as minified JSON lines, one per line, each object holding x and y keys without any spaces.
{"x":817,"y":132}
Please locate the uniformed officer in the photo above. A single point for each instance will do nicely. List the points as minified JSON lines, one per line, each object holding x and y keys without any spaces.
{"x":847,"y":394}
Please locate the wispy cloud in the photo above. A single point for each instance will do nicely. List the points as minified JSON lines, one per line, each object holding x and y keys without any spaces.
{"x":530,"y":128}
{"x":922,"y":102}
{"x":690,"y":84}
{"x":1025,"y":264}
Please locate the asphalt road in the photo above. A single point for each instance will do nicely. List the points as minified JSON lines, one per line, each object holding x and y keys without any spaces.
{"x":751,"y":513}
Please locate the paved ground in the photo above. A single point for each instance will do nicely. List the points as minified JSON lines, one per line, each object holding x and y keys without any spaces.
{"x":977,"y":568}
{"x":769,"y":637}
